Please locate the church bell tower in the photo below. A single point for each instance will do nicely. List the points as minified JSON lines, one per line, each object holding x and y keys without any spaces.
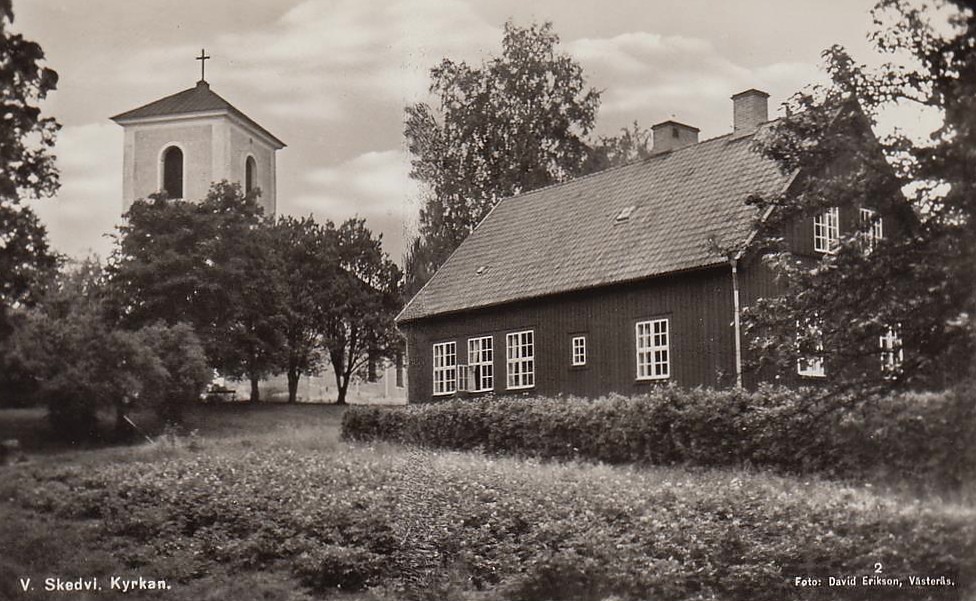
{"x":182,"y":143}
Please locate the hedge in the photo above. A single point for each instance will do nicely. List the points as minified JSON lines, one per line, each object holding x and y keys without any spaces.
{"x":923,"y":438}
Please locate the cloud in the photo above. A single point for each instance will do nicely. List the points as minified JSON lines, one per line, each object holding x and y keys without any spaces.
{"x":652,"y":77}
{"x":321,"y":56}
{"x":374,"y":185}
{"x":89,"y":203}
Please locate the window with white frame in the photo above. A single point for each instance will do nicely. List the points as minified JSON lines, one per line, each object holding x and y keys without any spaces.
{"x":445,"y":368}
{"x":826,"y":230}
{"x":579,"y":350}
{"x":892,"y":353}
{"x":875,"y":230}
{"x":811,"y":365}
{"x":653,"y":350}
{"x":480,"y":364}
{"x":521,"y":359}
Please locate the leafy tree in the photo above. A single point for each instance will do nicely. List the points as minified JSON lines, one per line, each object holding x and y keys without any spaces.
{"x":187,"y":373}
{"x":632,"y":144}
{"x":357,"y":324}
{"x":307,"y":261}
{"x":26,"y":165}
{"x":208,"y":264}
{"x":25,"y":259}
{"x":916,"y":283}
{"x":516,"y":123}
{"x":82,"y":362}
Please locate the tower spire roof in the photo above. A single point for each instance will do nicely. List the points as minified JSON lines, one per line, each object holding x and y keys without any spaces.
{"x":198,"y":99}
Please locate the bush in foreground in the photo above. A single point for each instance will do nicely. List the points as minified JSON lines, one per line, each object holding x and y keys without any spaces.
{"x":918,"y":438}
{"x":416,"y":524}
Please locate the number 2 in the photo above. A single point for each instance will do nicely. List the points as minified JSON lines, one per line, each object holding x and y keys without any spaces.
{"x":877,"y":567}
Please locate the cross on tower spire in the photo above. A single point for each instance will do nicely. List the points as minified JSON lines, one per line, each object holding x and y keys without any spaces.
{"x":203,"y":62}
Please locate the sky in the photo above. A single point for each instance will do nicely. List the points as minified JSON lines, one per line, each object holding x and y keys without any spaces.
{"x":332,"y":77}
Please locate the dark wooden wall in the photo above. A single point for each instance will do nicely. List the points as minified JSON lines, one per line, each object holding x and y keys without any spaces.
{"x":698,"y":305}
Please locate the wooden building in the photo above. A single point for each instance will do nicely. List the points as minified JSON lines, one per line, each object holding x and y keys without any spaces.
{"x":611,"y":282}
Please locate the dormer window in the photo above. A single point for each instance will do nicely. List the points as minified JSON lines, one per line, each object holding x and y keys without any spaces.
{"x":625,"y":213}
{"x":172,"y":166}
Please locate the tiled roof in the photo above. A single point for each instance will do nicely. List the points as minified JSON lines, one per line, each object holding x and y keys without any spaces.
{"x":197,"y":99}
{"x":567,"y":237}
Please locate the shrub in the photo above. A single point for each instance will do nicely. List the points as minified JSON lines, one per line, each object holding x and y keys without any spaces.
{"x":922,"y":438}
{"x":425,"y":525}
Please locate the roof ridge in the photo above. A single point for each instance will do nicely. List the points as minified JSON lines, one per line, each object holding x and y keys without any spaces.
{"x":142,"y":106}
{"x":637,"y":161}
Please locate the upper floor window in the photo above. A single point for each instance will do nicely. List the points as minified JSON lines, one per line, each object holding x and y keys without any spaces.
{"x":445,"y":368}
{"x":826,"y":230}
{"x":250,"y":174}
{"x":875,"y":231}
{"x":653,"y":350}
{"x":521,"y":359}
{"x":481,"y":364}
{"x":579,"y":350}
{"x":173,"y":172}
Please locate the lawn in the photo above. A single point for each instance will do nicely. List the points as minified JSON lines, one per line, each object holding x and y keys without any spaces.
{"x":267,"y":503}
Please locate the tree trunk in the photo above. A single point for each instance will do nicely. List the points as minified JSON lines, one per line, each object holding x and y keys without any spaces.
{"x":255,"y":392}
{"x":339,"y":369}
{"x":121,"y":429}
{"x":293,"y":375}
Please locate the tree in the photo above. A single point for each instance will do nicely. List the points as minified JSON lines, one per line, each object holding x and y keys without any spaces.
{"x":357,"y":324}
{"x":25,"y":259}
{"x":26,"y":165}
{"x":187,"y":373}
{"x":209,"y":264}
{"x":516,"y":123}
{"x":81,"y":361}
{"x":632,"y":144}
{"x":915,"y":286}
{"x":307,"y":260}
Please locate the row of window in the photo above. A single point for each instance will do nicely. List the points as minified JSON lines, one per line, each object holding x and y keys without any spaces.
{"x":826,"y":229}
{"x":653,"y":355}
{"x":891,"y":353}
{"x":171,"y":178}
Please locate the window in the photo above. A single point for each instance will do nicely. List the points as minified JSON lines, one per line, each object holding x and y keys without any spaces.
{"x":445,"y":368}
{"x":399,"y":369}
{"x":250,"y":174}
{"x":811,"y":366}
{"x":521,"y":359}
{"x":480,"y":364}
{"x":892,"y":353}
{"x":653,"y":350}
{"x":826,"y":230}
{"x":579,"y":350}
{"x":173,"y":172}
{"x":875,"y":231}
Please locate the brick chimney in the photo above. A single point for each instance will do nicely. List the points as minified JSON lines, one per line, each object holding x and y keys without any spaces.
{"x":750,"y":109}
{"x":671,"y":135}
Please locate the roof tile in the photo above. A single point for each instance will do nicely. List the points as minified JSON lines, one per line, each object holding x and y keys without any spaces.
{"x":197,"y":99}
{"x":566,"y":237}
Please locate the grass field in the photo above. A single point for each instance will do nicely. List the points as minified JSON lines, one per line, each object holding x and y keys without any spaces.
{"x":267,"y":502}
